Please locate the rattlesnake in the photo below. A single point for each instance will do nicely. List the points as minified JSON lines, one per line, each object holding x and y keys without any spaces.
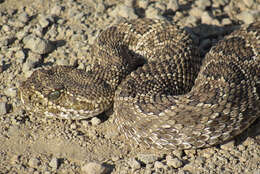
{"x":146,"y":70}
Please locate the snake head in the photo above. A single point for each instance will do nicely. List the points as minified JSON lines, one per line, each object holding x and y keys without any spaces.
{"x":65,"y":92}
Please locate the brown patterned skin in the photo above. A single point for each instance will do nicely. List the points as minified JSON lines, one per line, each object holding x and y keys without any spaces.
{"x":159,"y":103}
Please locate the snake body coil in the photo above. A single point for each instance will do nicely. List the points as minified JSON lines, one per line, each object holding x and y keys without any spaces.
{"x":163,"y":94}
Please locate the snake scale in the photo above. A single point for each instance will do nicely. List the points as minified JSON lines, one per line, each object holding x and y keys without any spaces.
{"x":162,"y":93}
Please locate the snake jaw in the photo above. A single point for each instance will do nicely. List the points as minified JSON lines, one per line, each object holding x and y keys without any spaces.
{"x":39,"y":94}
{"x":66,"y":106}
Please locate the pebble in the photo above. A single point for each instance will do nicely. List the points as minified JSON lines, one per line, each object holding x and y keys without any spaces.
{"x":226,"y":21}
{"x":94,"y":168}
{"x":190,"y":20}
{"x":143,"y":3}
{"x":203,"y":4}
{"x":84,"y":123}
{"x":228,"y":146}
{"x":248,"y":16}
{"x":134,"y":164}
{"x":11,"y":92}
{"x":38,"y":45}
{"x":249,"y":141}
{"x":62,"y":61}
{"x":95,"y":121}
{"x":174,"y":162}
{"x":178,"y":153}
{"x":152,"y":12}
{"x":196,"y":12}
{"x":6,"y":28}
{"x":159,"y":165}
{"x":23,"y":17}
{"x":147,"y":158}
{"x":3,"y":108}
{"x":54,"y":163}
{"x":73,"y":126}
{"x":32,"y":60}
{"x":173,"y":4}
{"x":56,"y":10}
{"x":124,"y":11}
{"x":14,"y":159}
{"x":33,"y":162}
{"x":208,"y":19}
{"x":248,"y":3}
{"x":20,"y":56}
{"x":43,"y":21}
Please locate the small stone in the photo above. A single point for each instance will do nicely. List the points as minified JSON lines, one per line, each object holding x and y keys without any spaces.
{"x":248,"y":16}
{"x":159,"y":165}
{"x":196,"y":12}
{"x":249,"y":141}
{"x":174,"y":162}
{"x":44,"y":22}
{"x":56,"y":10}
{"x":23,"y":17}
{"x":147,"y":158}
{"x":21,"y":34}
{"x":129,"y":3}
{"x":191,"y":20}
{"x":203,"y":4}
{"x":73,"y":126}
{"x":178,"y":153}
{"x":61,"y":61}
{"x":11,"y":92}
{"x":152,"y":12}
{"x":226,"y":21}
{"x":115,"y":158}
{"x":94,"y":168}
{"x":38,"y":45}
{"x":126,"y":12}
{"x":14,"y":159}
{"x":32,"y":60}
{"x":249,"y":3}
{"x":6,"y":28}
{"x":143,"y":3}
{"x":241,"y":148}
{"x":206,"y":18}
{"x":54,"y":163}
{"x":20,"y":56}
{"x":173,"y":4}
{"x":134,"y":164}
{"x":95,"y":121}
{"x":85,"y":123}
{"x":228,"y":146}
{"x":3,"y":108}
{"x":34,"y":162}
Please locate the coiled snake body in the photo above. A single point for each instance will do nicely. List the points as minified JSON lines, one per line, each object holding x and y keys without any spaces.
{"x":162,"y":94}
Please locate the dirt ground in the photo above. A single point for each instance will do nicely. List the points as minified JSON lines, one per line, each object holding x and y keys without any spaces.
{"x":31,"y":143}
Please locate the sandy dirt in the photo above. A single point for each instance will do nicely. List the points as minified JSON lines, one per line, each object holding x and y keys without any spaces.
{"x":31,"y":143}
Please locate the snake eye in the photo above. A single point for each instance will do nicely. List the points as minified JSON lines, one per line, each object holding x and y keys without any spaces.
{"x":54,"y":95}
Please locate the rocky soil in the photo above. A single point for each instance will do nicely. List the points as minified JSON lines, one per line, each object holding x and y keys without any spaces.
{"x":37,"y":33}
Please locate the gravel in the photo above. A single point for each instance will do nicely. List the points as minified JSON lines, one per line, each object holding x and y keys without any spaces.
{"x":93,"y":168}
{"x":54,"y":163}
{"x":37,"y":33}
{"x":3,"y":108}
{"x":147,"y":158}
{"x":33,"y":162}
{"x":38,"y":45}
